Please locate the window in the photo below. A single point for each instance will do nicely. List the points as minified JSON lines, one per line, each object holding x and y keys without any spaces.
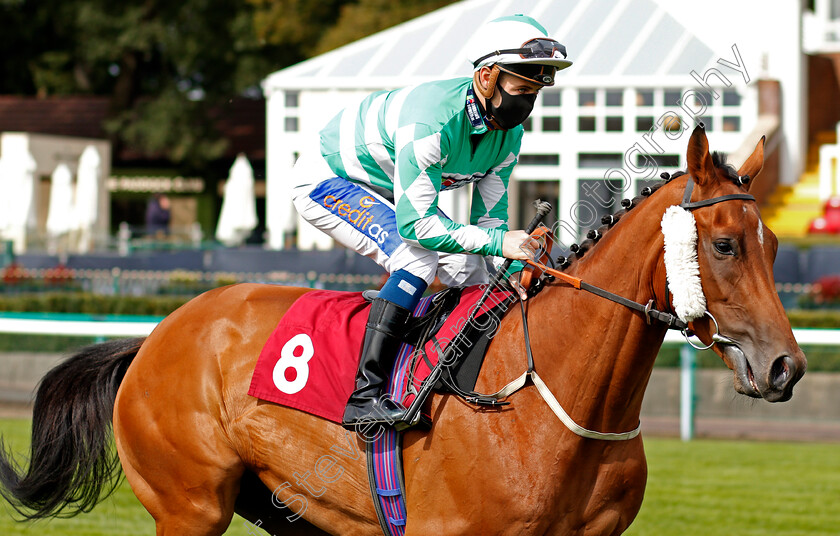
{"x":615,"y":97}
{"x":707,"y":122}
{"x":529,"y":191}
{"x":599,"y":160}
{"x":586,"y":97}
{"x":615,"y":124}
{"x":644,"y":124}
{"x":539,"y":159}
{"x":586,"y":124}
{"x":661,"y":160}
{"x":731,"y":98}
{"x":731,"y":123}
{"x":644,"y":97}
{"x":673,"y":97}
{"x":528,"y":125}
{"x":292,"y":98}
{"x":551,"y":124}
{"x":291,"y":124}
{"x":701,"y":97}
{"x":551,"y":98}
{"x":597,"y":198}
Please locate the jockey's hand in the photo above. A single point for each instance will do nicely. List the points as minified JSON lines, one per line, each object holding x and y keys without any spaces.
{"x":519,"y":245}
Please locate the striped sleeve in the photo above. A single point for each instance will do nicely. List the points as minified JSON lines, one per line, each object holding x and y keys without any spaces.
{"x":420,"y":150}
{"x":489,"y":208}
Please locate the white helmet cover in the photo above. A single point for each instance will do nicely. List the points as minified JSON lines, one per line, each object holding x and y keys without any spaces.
{"x":499,"y":41}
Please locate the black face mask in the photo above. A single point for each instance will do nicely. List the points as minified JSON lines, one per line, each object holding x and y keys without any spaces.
{"x":513,"y":110}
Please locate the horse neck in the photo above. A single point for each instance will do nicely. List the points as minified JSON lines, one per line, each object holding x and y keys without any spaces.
{"x":599,"y":350}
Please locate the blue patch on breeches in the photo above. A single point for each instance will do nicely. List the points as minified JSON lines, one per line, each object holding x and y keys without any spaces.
{"x":356,"y":206}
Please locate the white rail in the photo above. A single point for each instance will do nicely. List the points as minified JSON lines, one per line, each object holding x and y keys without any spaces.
{"x":55,"y":325}
{"x":817,"y":337}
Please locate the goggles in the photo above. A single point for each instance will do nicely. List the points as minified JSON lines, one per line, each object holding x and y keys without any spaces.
{"x":541,"y":47}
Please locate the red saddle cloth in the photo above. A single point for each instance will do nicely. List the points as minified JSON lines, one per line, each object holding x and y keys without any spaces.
{"x":309,"y":362}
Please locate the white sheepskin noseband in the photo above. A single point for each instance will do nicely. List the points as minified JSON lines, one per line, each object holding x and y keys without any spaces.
{"x":681,"y":267}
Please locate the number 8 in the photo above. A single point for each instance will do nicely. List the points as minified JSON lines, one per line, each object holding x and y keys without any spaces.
{"x":298,"y":362}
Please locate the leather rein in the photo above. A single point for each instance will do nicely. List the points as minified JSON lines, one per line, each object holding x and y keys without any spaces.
{"x":651,"y":314}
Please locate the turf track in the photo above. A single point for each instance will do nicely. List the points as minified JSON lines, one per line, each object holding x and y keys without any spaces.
{"x":699,"y":488}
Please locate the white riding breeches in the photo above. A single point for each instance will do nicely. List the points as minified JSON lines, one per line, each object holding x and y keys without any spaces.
{"x":364,"y":221}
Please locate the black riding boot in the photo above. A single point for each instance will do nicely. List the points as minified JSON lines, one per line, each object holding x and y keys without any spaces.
{"x":385,"y":326}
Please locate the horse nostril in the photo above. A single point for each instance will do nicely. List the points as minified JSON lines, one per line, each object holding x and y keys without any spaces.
{"x":782,"y":371}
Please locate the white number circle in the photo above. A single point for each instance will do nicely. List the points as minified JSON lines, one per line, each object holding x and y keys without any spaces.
{"x":288,"y":359}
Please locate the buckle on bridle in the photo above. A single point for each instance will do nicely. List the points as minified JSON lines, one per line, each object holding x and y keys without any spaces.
{"x":648,"y":307}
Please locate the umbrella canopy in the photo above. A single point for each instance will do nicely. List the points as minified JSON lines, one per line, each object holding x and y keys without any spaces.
{"x":239,"y":207}
{"x":87,"y":196}
{"x":60,"y":217}
{"x":5,"y":198}
{"x":17,"y":184}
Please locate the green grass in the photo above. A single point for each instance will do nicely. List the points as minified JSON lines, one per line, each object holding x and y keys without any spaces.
{"x":699,"y":488}
{"x":740,"y":487}
{"x":118,"y":515}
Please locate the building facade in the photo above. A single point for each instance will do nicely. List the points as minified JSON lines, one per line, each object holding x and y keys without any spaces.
{"x":645,"y":72}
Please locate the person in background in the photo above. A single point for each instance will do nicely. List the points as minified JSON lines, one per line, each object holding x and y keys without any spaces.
{"x":158,"y":216}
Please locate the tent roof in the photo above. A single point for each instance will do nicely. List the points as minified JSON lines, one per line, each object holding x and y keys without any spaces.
{"x":607,"y":39}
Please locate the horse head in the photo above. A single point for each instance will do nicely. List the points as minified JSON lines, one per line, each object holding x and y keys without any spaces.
{"x":735,"y":252}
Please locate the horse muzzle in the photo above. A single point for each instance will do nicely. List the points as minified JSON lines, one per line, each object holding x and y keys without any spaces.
{"x":773,"y":382}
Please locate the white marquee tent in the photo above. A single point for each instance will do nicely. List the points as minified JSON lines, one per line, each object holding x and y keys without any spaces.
{"x":634,"y":61}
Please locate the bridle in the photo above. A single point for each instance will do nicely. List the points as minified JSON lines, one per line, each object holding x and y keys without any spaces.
{"x":651,"y":314}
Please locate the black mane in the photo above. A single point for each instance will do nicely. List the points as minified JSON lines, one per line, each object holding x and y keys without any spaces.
{"x":719,"y":160}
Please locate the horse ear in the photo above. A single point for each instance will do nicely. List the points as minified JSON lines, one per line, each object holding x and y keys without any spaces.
{"x":700,"y":165}
{"x":752,"y":166}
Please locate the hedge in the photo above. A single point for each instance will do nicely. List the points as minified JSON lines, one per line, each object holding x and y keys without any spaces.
{"x":157,"y":305}
{"x":820,"y":358}
{"x":89,"y":303}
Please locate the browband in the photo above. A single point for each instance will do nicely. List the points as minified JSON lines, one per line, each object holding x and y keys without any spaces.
{"x":689,"y":188}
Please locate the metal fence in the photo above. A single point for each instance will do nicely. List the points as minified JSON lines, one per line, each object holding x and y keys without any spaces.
{"x":692,"y":399}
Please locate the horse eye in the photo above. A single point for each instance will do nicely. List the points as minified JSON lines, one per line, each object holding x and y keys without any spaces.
{"x":724,"y":247}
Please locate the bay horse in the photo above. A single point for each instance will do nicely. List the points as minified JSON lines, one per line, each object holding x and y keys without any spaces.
{"x":195,"y":447}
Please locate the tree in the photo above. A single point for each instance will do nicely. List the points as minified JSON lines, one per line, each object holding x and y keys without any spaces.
{"x":165,"y":65}
{"x":363,"y":18}
{"x":168,"y":65}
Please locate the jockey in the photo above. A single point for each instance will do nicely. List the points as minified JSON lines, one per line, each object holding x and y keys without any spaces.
{"x":373,"y":185}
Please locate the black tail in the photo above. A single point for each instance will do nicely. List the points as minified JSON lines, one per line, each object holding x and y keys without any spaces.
{"x":72,"y":461}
